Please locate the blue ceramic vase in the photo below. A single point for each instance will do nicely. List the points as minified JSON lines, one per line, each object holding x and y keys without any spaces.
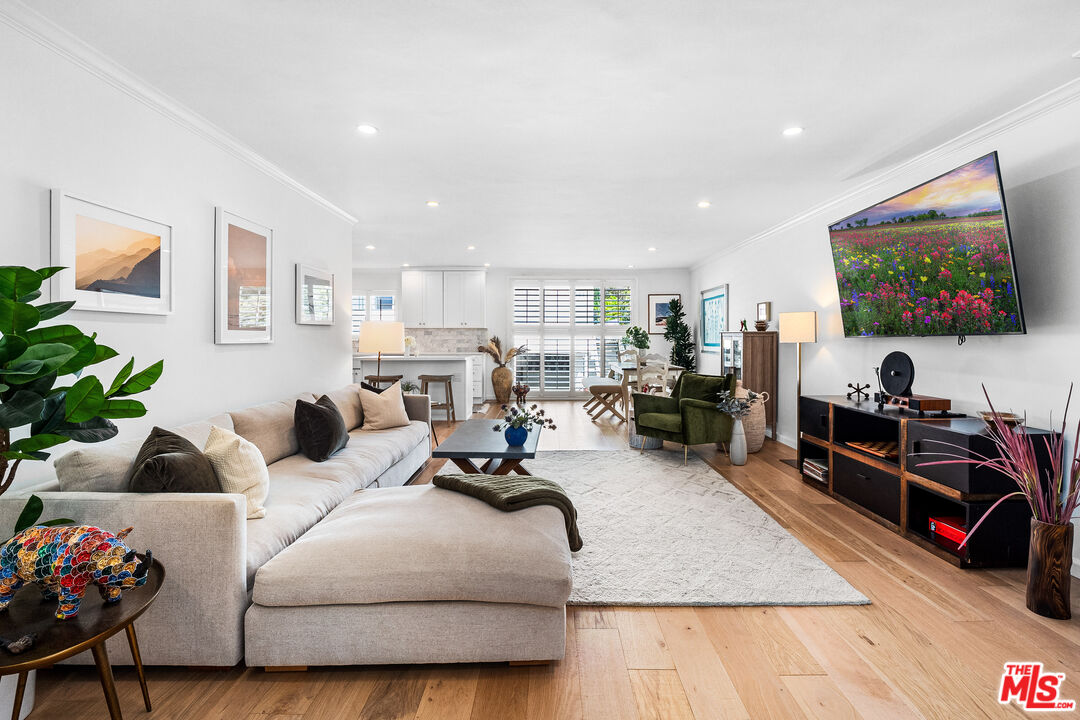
{"x":516,"y":436}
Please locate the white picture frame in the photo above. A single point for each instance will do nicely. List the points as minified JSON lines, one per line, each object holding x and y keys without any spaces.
{"x":714,"y":318}
{"x":244,"y":252}
{"x":116,"y":261}
{"x":314,"y":305}
{"x":658,"y":312}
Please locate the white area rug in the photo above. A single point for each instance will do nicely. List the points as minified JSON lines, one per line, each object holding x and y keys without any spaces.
{"x":658,"y":533}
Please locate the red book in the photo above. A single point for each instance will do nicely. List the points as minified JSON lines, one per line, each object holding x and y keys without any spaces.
{"x":949,"y":527}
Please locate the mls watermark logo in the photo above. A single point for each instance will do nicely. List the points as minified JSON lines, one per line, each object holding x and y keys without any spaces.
{"x":1033,"y":689}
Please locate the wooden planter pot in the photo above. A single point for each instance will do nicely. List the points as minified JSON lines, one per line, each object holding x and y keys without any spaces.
{"x":1049,"y":565}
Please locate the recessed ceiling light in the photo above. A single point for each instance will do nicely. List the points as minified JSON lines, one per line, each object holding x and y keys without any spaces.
{"x":487,"y":264}
{"x":704,"y":204}
{"x":652,"y":249}
{"x":470,"y":247}
{"x":432,"y":203}
{"x":631,"y":267}
{"x":366,"y":129}
{"x":369,"y":247}
{"x":792,"y":131}
{"x":404,"y":264}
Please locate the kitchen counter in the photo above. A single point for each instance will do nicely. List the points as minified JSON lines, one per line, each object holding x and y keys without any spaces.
{"x":467,"y":370}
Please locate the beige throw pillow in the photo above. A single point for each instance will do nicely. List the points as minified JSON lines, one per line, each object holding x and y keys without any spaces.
{"x":240,"y":468}
{"x":384,"y":410}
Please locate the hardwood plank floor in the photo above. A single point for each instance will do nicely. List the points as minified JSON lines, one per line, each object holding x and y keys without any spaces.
{"x":932,"y":644}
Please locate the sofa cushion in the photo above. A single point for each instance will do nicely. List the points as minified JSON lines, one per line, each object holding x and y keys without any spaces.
{"x":418,"y":544}
{"x":106,"y":467}
{"x":320,"y":429}
{"x":270,"y":427}
{"x":668,"y":422}
{"x":239,"y":467}
{"x":347,"y":400}
{"x":169,"y":463}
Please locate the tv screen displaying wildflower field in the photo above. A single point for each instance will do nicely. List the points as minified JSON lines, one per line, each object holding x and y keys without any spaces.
{"x":935,"y":260}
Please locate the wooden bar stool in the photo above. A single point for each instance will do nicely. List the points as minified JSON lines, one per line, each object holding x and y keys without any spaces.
{"x":378,"y":380}
{"x":448,"y":384}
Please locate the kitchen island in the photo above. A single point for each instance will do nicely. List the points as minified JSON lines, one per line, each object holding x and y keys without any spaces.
{"x":467,"y":370}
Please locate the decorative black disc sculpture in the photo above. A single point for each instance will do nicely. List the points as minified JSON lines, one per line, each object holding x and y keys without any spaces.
{"x":897,"y":374}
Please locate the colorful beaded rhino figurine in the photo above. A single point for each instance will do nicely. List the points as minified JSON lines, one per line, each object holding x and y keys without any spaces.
{"x":65,"y":560}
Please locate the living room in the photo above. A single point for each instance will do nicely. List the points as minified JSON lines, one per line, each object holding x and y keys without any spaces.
{"x":347,"y":195}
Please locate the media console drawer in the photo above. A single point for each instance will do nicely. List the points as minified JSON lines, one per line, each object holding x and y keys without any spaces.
{"x":873,"y":489}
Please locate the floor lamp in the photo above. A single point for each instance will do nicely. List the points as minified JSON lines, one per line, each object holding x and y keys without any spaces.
{"x":381,"y":337}
{"x":798,"y":328}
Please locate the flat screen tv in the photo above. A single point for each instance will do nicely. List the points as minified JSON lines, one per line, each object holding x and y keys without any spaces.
{"x":935,"y":260}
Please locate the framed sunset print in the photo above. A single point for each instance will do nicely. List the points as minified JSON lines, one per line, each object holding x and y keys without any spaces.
{"x":714,"y":312}
{"x":660,"y":311}
{"x":116,"y":261}
{"x":243,"y":280}
{"x":314,"y":296}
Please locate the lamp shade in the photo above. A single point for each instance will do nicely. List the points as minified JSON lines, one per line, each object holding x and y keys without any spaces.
{"x":798,"y":327}
{"x":381,"y":337}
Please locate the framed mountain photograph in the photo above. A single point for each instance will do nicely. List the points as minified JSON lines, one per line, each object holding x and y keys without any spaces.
{"x":121,"y":262}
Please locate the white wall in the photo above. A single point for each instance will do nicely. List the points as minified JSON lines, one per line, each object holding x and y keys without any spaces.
{"x":64,"y":127}
{"x":498,"y":294}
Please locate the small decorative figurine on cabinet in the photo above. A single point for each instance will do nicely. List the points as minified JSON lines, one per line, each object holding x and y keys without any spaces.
{"x":64,"y":560}
{"x":858,"y":390}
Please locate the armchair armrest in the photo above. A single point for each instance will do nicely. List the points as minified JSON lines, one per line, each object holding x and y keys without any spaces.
{"x":654,"y":404}
{"x":703,"y":423}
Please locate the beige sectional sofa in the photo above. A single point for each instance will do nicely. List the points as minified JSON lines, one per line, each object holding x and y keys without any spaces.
{"x":210,"y":550}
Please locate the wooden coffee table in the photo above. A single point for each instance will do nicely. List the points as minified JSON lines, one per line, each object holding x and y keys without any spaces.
{"x":60,"y":639}
{"x":477,"y":440}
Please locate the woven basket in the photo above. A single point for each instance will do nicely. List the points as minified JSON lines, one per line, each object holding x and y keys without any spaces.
{"x":754,"y":423}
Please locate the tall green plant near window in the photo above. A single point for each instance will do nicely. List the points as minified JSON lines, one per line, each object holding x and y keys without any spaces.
{"x":34,"y":358}
{"x":681,"y":337}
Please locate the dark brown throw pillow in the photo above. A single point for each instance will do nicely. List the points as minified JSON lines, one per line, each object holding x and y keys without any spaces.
{"x":319,"y":428}
{"x":168,"y":463}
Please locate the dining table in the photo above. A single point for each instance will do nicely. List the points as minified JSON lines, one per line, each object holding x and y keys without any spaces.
{"x":627,"y":373}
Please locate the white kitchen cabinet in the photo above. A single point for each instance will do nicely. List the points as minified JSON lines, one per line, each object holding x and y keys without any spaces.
{"x":464,"y":300}
{"x":422,"y":298}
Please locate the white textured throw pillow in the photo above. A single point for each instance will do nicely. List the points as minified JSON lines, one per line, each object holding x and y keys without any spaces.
{"x":384,"y":410}
{"x":240,"y":468}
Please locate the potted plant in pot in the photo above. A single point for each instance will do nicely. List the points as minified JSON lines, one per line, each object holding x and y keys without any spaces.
{"x":1053,"y":498}
{"x":738,"y":408}
{"x":517,"y":423}
{"x":636,"y":338}
{"x":501,"y":377}
{"x":43,"y":411}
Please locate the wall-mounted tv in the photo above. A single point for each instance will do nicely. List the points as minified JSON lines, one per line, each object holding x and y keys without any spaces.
{"x":934,"y":260}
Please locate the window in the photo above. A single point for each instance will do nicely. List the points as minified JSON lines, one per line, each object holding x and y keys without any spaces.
{"x":373,"y":306}
{"x":571,"y":330}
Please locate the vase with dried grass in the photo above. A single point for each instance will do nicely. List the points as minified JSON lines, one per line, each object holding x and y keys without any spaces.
{"x":501,"y":377}
{"x":1053,"y":496}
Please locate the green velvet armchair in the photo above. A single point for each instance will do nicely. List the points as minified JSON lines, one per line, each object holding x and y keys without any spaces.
{"x":689,"y":416}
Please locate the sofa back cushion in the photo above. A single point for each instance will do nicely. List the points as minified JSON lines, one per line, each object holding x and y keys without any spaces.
{"x":347,"y":401}
{"x":270,"y":427}
{"x":106,"y":467}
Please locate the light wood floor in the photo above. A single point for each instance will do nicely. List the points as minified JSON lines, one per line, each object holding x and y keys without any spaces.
{"x":931,"y":645}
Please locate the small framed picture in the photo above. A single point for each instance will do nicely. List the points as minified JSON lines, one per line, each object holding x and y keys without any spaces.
{"x":243,"y":280}
{"x":660,"y":311}
{"x":116,"y":261}
{"x":314,"y":296}
{"x":764,"y":311}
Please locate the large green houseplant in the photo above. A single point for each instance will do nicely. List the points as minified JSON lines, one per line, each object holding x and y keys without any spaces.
{"x":36,"y":406}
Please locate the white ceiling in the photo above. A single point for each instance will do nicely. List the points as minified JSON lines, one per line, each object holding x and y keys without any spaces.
{"x":568,"y":133}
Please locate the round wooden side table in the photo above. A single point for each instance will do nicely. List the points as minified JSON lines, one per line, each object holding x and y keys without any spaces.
{"x":60,"y":639}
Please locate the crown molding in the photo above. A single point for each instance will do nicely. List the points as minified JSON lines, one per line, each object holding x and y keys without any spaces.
{"x":50,"y":35}
{"x":1046,"y":103}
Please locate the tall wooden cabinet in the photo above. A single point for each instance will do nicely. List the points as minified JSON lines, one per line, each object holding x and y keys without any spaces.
{"x":752,"y":358}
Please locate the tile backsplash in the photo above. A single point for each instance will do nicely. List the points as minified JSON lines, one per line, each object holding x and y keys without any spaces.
{"x":447,"y":340}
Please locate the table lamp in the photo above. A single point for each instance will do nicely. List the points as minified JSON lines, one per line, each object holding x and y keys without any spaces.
{"x":798,"y":328}
{"x":381,"y":337}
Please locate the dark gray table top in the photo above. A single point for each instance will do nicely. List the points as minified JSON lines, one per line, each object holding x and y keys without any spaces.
{"x":476,"y":439}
